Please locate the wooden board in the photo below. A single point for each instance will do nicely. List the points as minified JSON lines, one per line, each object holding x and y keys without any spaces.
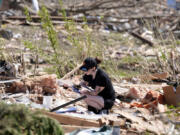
{"x":69,"y":120}
{"x":70,"y":128}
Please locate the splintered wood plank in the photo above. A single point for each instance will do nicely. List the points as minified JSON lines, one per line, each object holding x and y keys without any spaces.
{"x":111,"y":120}
{"x":141,"y":125}
{"x":71,"y":128}
{"x":69,"y":120}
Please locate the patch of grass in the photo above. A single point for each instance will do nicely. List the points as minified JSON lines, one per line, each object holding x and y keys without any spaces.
{"x":173,"y":114}
{"x":178,"y":42}
{"x":112,"y":68}
{"x":152,"y":60}
{"x":3,"y":52}
{"x":50,"y":69}
{"x":131,"y":59}
{"x":113,"y":39}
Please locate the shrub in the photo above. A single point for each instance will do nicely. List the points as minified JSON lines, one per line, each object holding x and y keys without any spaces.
{"x":19,"y":120}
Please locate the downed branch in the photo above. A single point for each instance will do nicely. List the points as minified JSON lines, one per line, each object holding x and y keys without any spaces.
{"x":150,"y":43}
{"x":68,"y":75}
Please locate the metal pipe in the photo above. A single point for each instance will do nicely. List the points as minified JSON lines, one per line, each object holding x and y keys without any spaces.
{"x":68,"y":103}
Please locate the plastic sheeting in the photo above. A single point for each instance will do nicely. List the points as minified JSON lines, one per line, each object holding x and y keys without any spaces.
{"x":35,"y":5}
{"x":105,"y":130}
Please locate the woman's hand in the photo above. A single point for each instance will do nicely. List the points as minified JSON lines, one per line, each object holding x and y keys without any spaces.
{"x":84,"y":83}
{"x":85,"y":92}
{"x":97,"y":90}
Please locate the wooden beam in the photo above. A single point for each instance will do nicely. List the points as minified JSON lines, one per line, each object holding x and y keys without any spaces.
{"x":71,"y":128}
{"x":37,"y":18}
{"x":68,"y":75}
{"x":70,"y":120}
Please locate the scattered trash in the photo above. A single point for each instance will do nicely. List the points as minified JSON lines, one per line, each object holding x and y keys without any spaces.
{"x":35,"y":5}
{"x":17,"y":36}
{"x":9,"y":69}
{"x":105,"y":130}
{"x":47,"y":101}
{"x":7,"y":34}
{"x":71,"y":109}
{"x":72,"y":115}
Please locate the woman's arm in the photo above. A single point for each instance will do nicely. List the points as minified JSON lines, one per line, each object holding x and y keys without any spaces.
{"x":85,"y":83}
{"x":97,"y":90}
{"x":84,"y":91}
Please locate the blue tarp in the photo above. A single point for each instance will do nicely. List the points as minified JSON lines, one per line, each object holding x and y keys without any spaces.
{"x":171,"y":3}
{"x":71,"y":109}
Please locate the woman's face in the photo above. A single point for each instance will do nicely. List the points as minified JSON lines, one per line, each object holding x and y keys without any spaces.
{"x":90,"y":71}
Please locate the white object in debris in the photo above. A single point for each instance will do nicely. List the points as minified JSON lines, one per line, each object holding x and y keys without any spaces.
{"x":47,"y":101}
{"x":174,"y":89}
{"x":147,"y":34}
{"x":34,"y":105}
{"x":17,"y":36}
{"x":35,"y":5}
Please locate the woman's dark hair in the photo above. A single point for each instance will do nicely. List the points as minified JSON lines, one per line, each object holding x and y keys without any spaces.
{"x":90,"y":63}
{"x":98,"y":61}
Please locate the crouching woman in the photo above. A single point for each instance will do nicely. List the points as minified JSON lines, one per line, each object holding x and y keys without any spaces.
{"x":101,"y":99}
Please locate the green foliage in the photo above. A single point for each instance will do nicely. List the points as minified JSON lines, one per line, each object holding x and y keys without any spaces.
{"x":37,"y":50}
{"x":115,"y":71}
{"x":54,"y":42}
{"x":177,"y":42}
{"x":28,"y":16}
{"x":19,"y":120}
{"x":171,"y":107}
{"x":82,"y":44}
{"x":3,"y":52}
{"x":51,"y":70}
{"x":163,"y":56}
{"x":60,"y":58}
{"x":52,"y":35}
{"x":2,"y":56}
{"x":174,"y":114}
{"x":131,"y":60}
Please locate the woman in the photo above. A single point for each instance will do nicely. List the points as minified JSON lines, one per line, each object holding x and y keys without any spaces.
{"x":102,"y":97}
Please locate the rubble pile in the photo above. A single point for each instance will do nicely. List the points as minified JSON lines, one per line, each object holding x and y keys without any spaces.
{"x":142,"y":102}
{"x":137,"y":108}
{"x":42,"y":84}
